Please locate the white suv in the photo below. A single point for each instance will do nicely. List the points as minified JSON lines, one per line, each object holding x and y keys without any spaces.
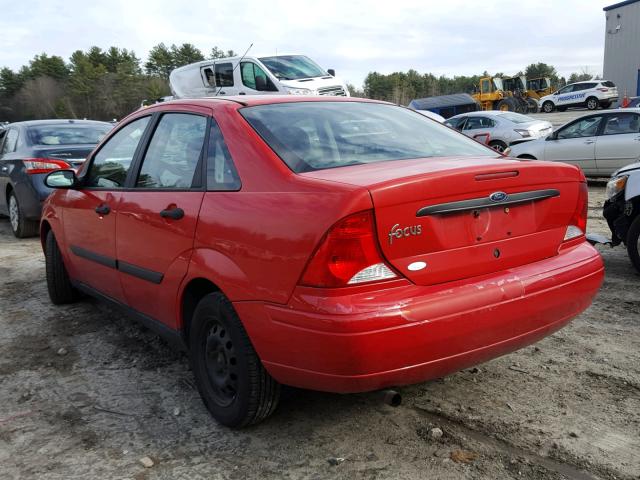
{"x":592,"y":94}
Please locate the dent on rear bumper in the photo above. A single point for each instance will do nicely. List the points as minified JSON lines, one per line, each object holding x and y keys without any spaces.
{"x":408,"y":334}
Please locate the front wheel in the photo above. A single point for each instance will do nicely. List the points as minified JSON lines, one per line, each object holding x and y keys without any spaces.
{"x":532,"y":105}
{"x":20,"y":226}
{"x":232,"y":381}
{"x":592,"y":103}
{"x":498,"y":145}
{"x":58,"y":284}
{"x":633,"y":243}
{"x":547,"y":107}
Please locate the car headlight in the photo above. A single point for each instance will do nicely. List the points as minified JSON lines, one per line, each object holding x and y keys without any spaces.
{"x":523,"y":133}
{"x":299,"y":91}
{"x":615,"y":186}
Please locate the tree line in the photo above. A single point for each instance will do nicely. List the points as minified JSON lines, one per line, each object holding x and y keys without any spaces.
{"x":108,"y":84}
{"x":96,"y":84}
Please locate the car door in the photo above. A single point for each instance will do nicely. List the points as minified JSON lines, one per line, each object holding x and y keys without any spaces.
{"x":619,"y":143}
{"x":563,"y":97}
{"x":575,"y":143}
{"x":89,"y":212}
{"x":254,"y":80}
{"x":157,"y":216}
{"x":4,"y":173}
{"x":225,"y":82}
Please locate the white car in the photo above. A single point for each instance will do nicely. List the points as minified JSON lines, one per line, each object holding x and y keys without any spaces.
{"x":501,"y":129}
{"x":591,"y":94}
{"x":599,"y":143}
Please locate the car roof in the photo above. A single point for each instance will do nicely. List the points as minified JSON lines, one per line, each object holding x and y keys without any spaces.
{"x":587,"y":81}
{"x":490,"y":113}
{"x":56,"y":121}
{"x":253,"y":100}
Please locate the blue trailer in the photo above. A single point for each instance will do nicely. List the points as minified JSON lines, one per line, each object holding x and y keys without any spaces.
{"x":446,"y":105}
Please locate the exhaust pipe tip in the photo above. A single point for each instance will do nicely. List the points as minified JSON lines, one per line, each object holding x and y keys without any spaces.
{"x":391,"y":397}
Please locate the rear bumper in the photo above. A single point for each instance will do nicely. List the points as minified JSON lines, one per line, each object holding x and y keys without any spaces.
{"x":408,"y":334}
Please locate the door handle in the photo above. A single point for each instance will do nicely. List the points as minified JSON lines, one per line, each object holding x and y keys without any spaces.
{"x":241,"y":93}
{"x":174,"y":213}
{"x":222,"y":93}
{"x":103,"y":209}
{"x":589,"y":142}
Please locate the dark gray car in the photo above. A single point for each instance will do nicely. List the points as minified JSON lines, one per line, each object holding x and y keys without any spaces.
{"x":28,"y":152}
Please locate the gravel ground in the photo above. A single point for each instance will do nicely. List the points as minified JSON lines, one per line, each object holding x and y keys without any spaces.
{"x":85,"y":393}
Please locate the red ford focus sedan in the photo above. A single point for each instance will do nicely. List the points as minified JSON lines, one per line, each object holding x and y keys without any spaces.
{"x":333,"y":244}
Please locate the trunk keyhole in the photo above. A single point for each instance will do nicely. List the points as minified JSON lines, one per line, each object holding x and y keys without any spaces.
{"x":496,"y":253}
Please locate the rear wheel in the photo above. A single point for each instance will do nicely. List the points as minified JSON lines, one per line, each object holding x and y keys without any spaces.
{"x":532,"y":105}
{"x":20,"y":226}
{"x":633,"y":243}
{"x":232,"y":381}
{"x":606,"y":104}
{"x":592,"y":103}
{"x":548,"y":107}
{"x":498,"y":145}
{"x":58,"y":284}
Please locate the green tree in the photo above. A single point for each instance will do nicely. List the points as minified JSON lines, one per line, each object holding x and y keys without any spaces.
{"x":160,"y":61}
{"x":219,"y":53}
{"x":45,"y":66}
{"x":185,"y":54}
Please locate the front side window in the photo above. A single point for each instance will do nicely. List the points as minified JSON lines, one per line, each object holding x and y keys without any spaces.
{"x":474,"y":123}
{"x":586,"y":127}
{"x":111,"y":164}
{"x":621,"y":124}
{"x":221,"y":172}
{"x":174,"y":152}
{"x":319,"y":135}
{"x":224,"y":74}
{"x":255,"y":78}
{"x":567,"y":89}
{"x":485,"y":86}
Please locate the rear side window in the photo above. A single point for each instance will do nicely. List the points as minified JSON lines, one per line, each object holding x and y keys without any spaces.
{"x":209,"y":78}
{"x":224,"y":74}
{"x":10,"y":141}
{"x":111,"y":164}
{"x":318,"y":135}
{"x":609,"y":84}
{"x":621,"y":124}
{"x":221,"y":172}
{"x":174,"y":152}
{"x":479,"y":122}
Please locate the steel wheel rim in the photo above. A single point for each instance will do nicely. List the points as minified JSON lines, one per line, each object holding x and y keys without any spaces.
{"x":14,"y":213}
{"x":498,"y":147}
{"x":221,"y":365}
{"x":591,"y":104}
{"x":547,"y":107}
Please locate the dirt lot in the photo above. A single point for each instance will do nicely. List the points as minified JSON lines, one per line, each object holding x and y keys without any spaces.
{"x":568,"y":407}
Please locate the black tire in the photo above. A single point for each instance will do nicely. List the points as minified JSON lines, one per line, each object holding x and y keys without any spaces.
{"x":498,"y":145}
{"x":606,"y":104}
{"x":58,"y":284}
{"x":548,"y":107}
{"x":532,"y":105}
{"x":233,"y":383}
{"x":20,"y":226}
{"x":508,"y":104}
{"x":592,"y":103}
{"x":633,"y":240}
{"x":526,"y":156}
{"x":562,"y":109}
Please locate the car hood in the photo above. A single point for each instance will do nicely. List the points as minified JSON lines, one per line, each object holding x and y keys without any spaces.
{"x":627,"y":168}
{"x":530,"y":147}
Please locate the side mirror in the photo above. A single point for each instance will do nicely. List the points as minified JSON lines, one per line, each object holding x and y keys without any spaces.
{"x":553,"y":136}
{"x":261,"y":83}
{"x":331,"y":72}
{"x":61,"y":179}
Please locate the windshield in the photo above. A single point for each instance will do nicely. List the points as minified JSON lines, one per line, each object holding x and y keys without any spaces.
{"x":293,"y":67}
{"x":497,"y":82}
{"x":516,"y":117}
{"x":318,"y":135}
{"x":67,"y":134}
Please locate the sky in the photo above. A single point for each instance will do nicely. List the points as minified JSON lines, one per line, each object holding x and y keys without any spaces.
{"x":452,"y":37}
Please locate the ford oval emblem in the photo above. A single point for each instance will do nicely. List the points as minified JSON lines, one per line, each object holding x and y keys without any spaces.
{"x":498,"y":197}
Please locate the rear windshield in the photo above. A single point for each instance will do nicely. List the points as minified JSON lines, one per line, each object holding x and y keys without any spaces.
{"x":609,"y":84}
{"x":516,"y":117}
{"x":67,"y":134}
{"x":312,"y":136}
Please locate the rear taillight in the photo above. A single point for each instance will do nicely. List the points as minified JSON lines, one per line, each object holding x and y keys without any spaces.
{"x":578,"y":223}
{"x":603,"y":89}
{"x":348,"y":255}
{"x":43,"y":165}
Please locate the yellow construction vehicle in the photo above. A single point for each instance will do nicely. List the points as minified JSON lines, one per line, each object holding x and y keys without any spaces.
{"x":541,"y":85}
{"x":493,"y":96}
{"x":527,"y":98}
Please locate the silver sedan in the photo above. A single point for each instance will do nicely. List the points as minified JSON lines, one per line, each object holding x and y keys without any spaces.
{"x":599,"y":143}
{"x":500,"y":129}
